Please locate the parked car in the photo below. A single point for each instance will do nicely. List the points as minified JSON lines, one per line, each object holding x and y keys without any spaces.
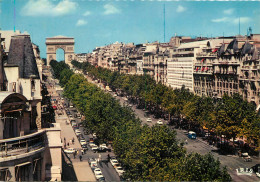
{"x":149,"y":120}
{"x":69,"y":150}
{"x":120,"y":171}
{"x":83,"y":142}
{"x":159,"y":122}
{"x":77,"y":132}
{"x":99,"y":176}
{"x":94,"y":148}
{"x":93,"y":165}
{"x":113,"y":161}
{"x":85,"y":147}
{"x":97,"y":171}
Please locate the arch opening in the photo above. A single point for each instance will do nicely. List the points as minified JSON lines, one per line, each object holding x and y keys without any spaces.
{"x":60,"y":54}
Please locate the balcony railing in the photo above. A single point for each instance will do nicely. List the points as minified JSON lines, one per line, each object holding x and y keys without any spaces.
{"x":212,"y":54}
{"x":21,"y":145}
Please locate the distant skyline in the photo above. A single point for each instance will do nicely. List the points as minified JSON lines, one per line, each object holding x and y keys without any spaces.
{"x":99,"y":23}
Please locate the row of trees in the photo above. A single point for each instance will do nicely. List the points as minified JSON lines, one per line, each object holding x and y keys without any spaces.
{"x":229,"y":116}
{"x":146,"y":153}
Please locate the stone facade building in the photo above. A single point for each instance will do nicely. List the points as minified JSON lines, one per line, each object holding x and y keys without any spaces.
{"x":208,"y":67}
{"x":28,"y":152}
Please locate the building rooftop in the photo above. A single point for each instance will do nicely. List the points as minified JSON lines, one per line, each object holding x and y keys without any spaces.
{"x":21,"y":54}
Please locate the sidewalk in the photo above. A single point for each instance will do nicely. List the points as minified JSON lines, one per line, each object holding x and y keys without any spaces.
{"x":82,"y":169}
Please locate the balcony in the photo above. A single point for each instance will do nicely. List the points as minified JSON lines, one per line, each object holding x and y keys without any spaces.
{"x":246,"y":68}
{"x":23,"y":146}
{"x":212,"y":54}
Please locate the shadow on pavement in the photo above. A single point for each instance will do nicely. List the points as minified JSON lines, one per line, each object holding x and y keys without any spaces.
{"x":68,"y":173}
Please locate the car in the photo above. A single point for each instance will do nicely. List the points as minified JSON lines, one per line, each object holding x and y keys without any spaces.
{"x":94,"y":148}
{"x":77,"y":132}
{"x":99,"y":176}
{"x":91,"y":140}
{"x":159,"y":122}
{"x":92,"y":144}
{"x":93,"y":164}
{"x":83,"y":142}
{"x":97,"y":171}
{"x":71,"y":106}
{"x":114,"y":95}
{"x":102,"y":179}
{"x":85,"y":147}
{"x":113,"y":162}
{"x":69,"y":150}
{"x":130,"y":105}
{"x":120,"y":171}
{"x":149,"y":120}
{"x":70,"y":116}
{"x":117,"y":165}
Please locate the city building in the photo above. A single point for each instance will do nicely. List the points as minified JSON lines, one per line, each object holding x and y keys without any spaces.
{"x":28,"y":152}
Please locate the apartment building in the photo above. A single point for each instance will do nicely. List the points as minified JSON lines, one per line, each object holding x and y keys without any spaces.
{"x":82,"y":57}
{"x":27,"y":150}
{"x":180,"y":66}
{"x":203,"y":69}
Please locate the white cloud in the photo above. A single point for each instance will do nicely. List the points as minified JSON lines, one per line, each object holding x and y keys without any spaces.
{"x":110,"y":9}
{"x":87,"y":13}
{"x":81,"y":22}
{"x":181,"y":9}
{"x":47,"y":8}
{"x":218,"y":20}
{"x":232,"y":20}
{"x":228,"y":11}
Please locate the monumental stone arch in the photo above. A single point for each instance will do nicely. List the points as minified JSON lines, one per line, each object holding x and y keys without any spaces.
{"x":65,"y":43}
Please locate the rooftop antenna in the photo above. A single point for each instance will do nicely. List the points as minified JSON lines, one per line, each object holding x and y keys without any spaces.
{"x":164,"y":22}
{"x":14,"y":15}
{"x":239,"y":26}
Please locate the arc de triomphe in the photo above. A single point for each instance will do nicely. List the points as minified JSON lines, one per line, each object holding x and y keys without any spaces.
{"x":65,"y":43}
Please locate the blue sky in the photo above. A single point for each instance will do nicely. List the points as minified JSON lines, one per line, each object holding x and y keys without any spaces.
{"x":99,"y":22}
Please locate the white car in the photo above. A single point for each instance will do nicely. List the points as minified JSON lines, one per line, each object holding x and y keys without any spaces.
{"x":113,"y":162}
{"x":69,"y":150}
{"x":83,"y":142}
{"x":99,"y":176}
{"x":94,"y":148}
{"x":149,"y":120}
{"x":159,"y":122}
{"x":93,"y":164}
{"x":92,"y":144}
{"x":114,"y":95}
{"x":97,"y":171}
{"x":77,"y":133}
{"x":120,"y":171}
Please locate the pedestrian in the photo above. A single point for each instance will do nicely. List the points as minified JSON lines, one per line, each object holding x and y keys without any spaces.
{"x":70,"y":141}
{"x":68,"y":144}
{"x":73,"y":140}
{"x":82,"y":151}
{"x":80,"y":158}
{"x":186,"y":141}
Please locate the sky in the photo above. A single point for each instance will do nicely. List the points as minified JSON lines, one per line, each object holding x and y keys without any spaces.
{"x":96,"y":23}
